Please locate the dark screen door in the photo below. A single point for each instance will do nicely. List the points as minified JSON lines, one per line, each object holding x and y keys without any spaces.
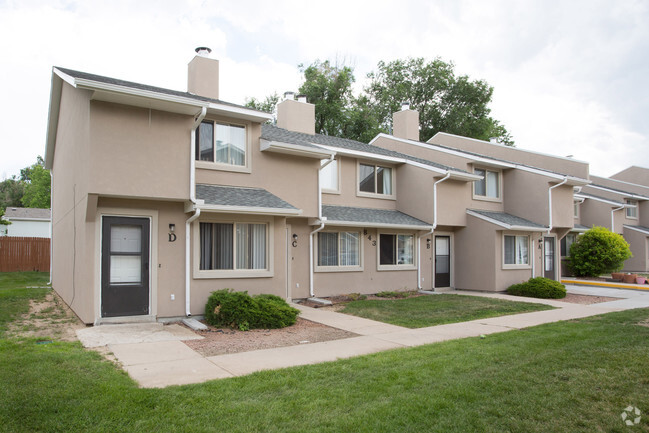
{"x":125,"y":266}
{"x":442,"y":261}
{"x":548,"y":258}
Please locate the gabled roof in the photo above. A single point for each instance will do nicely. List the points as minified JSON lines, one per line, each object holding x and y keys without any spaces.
{"x":242,"y":200}
{"x":365,"y":217}
{"x":619,"y":191}
{"x":507,"y":221}
{"x":489,"y":160}
{"x":353,"y":148}
{"x":586,"y":195}
{"x":640,"y":229}
{"x":25,"y":213}
{"x":580,"y":228}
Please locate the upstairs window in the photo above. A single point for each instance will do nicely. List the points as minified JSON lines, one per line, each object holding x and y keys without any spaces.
{"x":329,"y":176}
{"x":375,"y":179}
{"x":221,"y":143}
{"x":575,"y":209}
{"x":632,"y":212}
{"x":489,"y":186}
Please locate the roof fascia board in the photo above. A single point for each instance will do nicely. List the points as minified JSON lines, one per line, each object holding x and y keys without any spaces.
{"x":245,"y":112}
{"x":365,"y":155}
{"x":10,"y":218}
{"x":371,"y":224}
{"x":602,"y":200}
{"x":248,"y":210}
{"x":505,"y":225}
{"x":637,"y":229}
{"x":294,"y":149}
{"x":53,"y":117}
{"x":625,"y":182}
{"x":622,"y":193}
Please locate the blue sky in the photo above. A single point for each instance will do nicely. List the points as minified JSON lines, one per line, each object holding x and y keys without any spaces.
{"x":569,"y":77}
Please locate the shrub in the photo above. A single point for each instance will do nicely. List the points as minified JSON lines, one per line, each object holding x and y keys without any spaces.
{"x":240,"y":310}
{"x":539,"y":287}
{"x":598,"y":251}
{"x":393,"y":294}
{"x":356,"y":297}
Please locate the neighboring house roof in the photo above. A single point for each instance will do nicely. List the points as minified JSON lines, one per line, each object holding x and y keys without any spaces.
{"x":619,"y":191}
{"x":275,"y":133}
{"x":365,"y":217}
{"x":640,"y":229}
{"x":24,"y":213}
{"x":580,"y":228}
{"x":242,"y":200}
{"x":507,"y":221}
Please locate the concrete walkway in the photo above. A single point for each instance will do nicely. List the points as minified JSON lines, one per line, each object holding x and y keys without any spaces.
{"x":160,"y":359}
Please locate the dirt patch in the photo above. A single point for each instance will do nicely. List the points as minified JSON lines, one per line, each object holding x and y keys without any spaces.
{"x":47,"y":319}
{"x":586,"y":299}
{"x":221,"y":341}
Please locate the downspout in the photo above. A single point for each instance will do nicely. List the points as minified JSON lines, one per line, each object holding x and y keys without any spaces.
{"x":197,"y":211}
{"x":322,"y":225}
{"x":448,"y":175}
{"x":613,"y":217}
{"x":51,"y":228}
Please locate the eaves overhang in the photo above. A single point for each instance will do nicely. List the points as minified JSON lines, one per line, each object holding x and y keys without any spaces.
{"x":506,"y":226}
{"x":295,"y":149}
{"x":338,"y":223}
{"x":246,"y":210}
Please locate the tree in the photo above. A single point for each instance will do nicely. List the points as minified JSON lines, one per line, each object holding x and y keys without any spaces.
{"x":3,"y":222}
{"x":11,"y":192}
{"x":446,"y":103}
{"x":268,"y":105}
{"x":38,"y":185}
{"x":598,"y":251}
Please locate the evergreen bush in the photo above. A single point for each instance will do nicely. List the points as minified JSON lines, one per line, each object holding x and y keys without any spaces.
{"x":539,"y":287}
{"x":240,"y":310}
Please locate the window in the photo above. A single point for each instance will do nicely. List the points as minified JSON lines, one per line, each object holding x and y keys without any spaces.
{"x":233,"y":246}
{"x":489,"y":186}
{"x":566,"y":243}
{"x":374,"y":179}
{"x":329,"y":176}
{"x":339,"y":249}
{"x":632,"y":212}
{"x":396,"y":249}
{"x":222,"y":143}
{"x":516,"y":250}
{"x":575,"y":209}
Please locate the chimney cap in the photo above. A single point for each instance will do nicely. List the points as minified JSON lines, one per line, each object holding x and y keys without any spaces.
{"x":289,"y":95}
{"x":301,"y":98}
{"x":405,"y":105}
{"x":203,"y":51}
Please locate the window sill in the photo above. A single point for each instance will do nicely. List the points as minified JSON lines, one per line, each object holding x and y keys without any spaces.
{"x":373,"y":195}
{"x":201,"y":275}
{"x":331,"y":191}
{"x":515,"y":267}
{"x":328,"y":269}
{"x":485,"y":198}
{"x":208,"y":165}
{"x":396,"y":268}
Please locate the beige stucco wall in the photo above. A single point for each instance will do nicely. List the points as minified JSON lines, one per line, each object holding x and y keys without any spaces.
{"x":423,"y":151}
{"x":638,"y":244}
{"x":416,"y":197}
{"x":475,"y":256}
{"x":291,"y":178}
{"x":138,"y":152}
{"x":633,"y":174}
{"x":549,"y":162}
{"x":71,"y":270}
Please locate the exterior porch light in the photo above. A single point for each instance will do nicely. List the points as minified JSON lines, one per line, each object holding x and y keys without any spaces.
{"x":172,"y":228}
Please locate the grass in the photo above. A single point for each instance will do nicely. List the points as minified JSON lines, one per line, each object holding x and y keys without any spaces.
{"x":15,"y":296}
{"x":575,"y":376}
{"x":431,"y":310}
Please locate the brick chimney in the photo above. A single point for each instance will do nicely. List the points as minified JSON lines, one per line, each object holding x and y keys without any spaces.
{"x":405,"y":123}
{"x":203,"y":74}
{"x":297,"y":116}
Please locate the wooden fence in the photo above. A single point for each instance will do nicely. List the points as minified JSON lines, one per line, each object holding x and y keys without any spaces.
{"x":24,"y":254}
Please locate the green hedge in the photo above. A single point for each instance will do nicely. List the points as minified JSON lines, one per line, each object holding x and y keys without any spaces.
{"x":240,"y":310}
{"x":598,"y":251}
{"x":539,"y":287}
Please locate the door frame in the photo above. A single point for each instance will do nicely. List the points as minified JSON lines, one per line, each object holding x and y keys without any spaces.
{"x":554,"y":258}
{"x":451,"y":259}
{"x":152,"y":216}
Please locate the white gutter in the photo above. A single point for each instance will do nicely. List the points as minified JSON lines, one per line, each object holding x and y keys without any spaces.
{"x":613,"y":217}
{"x":322,"y":225}
{"x":565,"y":180}
{"x":51,"y":227}
{"x":197,"y":211}
{"x":448,"y":175}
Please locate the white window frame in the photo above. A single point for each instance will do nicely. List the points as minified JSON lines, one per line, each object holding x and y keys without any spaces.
{"x":215,"y":165}
{"x":359,"y":193}
{"x":339,"y":268}
{"x":632,"y":212}
{"x":499,"y":173}
{"x":396,"y":267}
{"x":565,"y":239}
{"x":233,"y":273}
{"x":336,"y":163}
{"x":576,"y":209}
{"x":530,"y":252}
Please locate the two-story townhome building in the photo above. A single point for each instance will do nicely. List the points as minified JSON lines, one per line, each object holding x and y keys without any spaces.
{"x":160,"y":197}
{"x":505,"y":227}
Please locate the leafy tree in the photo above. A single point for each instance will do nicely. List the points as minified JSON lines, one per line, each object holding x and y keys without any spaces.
{"x":598,"y":251}
{"x":37,"y":187}
{"x":268,"y":105}
{"x":446,"y":103}
{"x":3,"y":222}
{"x":11,"y":192}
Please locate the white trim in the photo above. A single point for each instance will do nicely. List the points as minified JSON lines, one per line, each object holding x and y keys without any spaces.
{"x":624,"y":194}
{"x":631,"y":206}
{"x":365,"y":155}
{"x":367,"y":224}
{"x":623,"y":181}
{"x":253,"y":210}
{"x":152,"y":215}
{"x":504,"y":225}
{"x":294,"y":149}
{"x":599,"y":199}
{"x":636,"y":228}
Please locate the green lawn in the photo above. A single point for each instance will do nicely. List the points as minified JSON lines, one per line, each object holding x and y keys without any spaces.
{"x":15,"y":296}
{"x":575,"y":376}
{"x":433,"y":310}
